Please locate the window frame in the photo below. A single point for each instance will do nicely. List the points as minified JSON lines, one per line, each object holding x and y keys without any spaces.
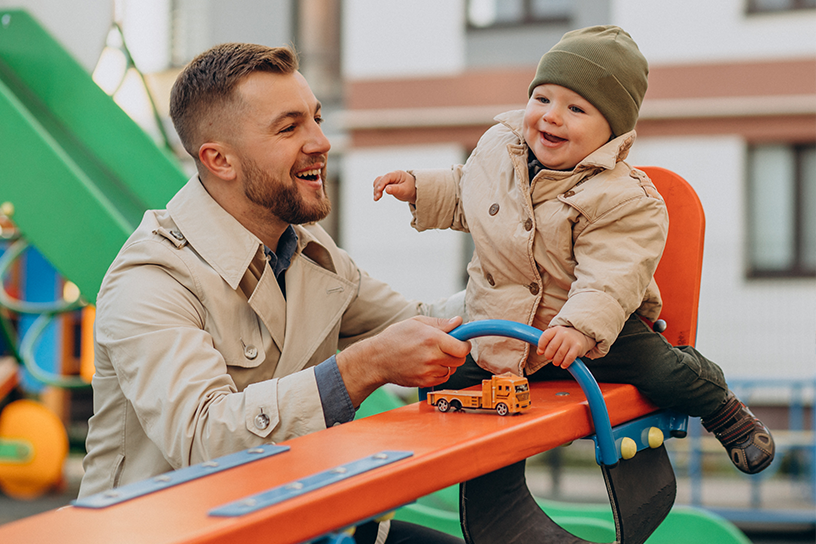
{"x":797,"y":269}
{"x":755,"y":7}
{"x":528,"y":19}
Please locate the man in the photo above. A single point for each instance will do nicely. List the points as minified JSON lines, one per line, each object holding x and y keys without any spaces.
{"x":218,"y":323}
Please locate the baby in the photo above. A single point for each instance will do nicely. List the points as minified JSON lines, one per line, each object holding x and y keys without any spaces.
{"x":568,"y":236}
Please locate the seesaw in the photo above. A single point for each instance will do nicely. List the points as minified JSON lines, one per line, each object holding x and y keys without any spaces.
{"x":312,"y":486}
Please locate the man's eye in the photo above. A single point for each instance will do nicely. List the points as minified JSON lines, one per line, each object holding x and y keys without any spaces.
{"x":289,"y":128}
{"x":318,"y":120}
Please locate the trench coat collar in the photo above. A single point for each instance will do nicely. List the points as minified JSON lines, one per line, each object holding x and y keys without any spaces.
{"x":216,"y":235}
{"x":222,"y":241}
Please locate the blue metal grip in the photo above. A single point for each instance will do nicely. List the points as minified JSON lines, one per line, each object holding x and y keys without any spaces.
{"x":579,"y":371}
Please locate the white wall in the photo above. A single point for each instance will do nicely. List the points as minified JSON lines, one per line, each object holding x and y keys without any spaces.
{"x":80,"y":27}
{"x":751,"y":328}
{"x":396,"y":39}
{"x":424,"y":266}
{"x":688,"y":31}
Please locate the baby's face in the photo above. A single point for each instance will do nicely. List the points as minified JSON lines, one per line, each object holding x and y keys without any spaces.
{"x":562,"y":128}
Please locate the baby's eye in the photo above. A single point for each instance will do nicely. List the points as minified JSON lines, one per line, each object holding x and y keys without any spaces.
{"x":576,"y":109}
{"x":543,"y":99}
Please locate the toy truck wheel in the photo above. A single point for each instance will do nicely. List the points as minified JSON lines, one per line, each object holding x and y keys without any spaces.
{"x":456,"y":405}
{"x":442,"y":405}
{"x":501,"y":409}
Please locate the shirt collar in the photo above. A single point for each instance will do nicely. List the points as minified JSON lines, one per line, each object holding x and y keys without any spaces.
{"x":287,"y":246}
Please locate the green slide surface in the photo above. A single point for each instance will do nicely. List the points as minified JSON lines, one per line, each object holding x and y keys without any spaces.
{"x":78,"y":171}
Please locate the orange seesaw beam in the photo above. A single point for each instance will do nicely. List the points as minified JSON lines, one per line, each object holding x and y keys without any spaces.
{"x":447,"y":448}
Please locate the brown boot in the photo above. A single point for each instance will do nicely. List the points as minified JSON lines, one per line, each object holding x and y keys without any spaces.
{"x":748,"y":442}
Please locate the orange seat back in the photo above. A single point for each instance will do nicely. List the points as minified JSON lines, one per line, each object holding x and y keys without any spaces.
{"x":679,"y":271}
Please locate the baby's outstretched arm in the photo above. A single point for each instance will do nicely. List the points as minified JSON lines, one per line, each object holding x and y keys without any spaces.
{"x":563,"y":345}
{"x":399,"y":184}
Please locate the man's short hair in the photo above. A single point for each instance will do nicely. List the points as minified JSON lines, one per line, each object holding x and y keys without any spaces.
{"x":205,"y":88}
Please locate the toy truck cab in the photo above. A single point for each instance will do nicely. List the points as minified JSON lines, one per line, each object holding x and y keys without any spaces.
{"x":506,"y":393}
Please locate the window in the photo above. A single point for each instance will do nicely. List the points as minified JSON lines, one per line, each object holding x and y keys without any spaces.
{"x":782,"y":211}
{"x":497,"y":13}
{"x":769,"y":6}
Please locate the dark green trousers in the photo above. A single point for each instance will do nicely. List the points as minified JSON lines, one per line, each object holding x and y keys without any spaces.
{"x":677,"y":378}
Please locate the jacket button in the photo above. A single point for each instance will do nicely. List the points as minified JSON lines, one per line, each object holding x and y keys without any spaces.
{"x":261,"y":421}
{"x":250,"y":352}
{"x":569,"y":193}
{"x":177,"y":235}
{"x":528,"y":225}
{"x":490,"y":280}
{"x":533,"y":287}
{"x":494,"y":209}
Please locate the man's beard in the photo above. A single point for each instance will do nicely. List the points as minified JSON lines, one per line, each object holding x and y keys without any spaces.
{"x":281,"y":199}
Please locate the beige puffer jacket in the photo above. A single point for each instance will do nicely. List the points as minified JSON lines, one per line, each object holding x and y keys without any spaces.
{"x":576,"y":248}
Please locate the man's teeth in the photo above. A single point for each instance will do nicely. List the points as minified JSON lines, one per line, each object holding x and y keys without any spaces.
{"x":310,"y":174}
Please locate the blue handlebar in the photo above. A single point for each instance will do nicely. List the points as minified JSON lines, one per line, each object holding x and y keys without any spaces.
{"x":579,"y":371}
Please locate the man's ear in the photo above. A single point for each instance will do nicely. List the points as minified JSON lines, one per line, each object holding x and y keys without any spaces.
{"x":217,"y":158}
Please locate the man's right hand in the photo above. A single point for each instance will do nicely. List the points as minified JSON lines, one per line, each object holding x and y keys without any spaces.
{"x":417,"y":352}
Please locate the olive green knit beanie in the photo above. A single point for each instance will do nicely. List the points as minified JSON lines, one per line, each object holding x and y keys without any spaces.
{"x":602,"y":64}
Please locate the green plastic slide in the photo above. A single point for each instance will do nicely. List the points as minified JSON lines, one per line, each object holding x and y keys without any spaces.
{"x":78,"y":171}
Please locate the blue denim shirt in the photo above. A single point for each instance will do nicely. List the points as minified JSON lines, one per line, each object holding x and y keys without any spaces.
{"x":337,"y":405}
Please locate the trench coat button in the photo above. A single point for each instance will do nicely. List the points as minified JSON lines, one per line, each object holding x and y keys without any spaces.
{"x":490,"y":280}
{"x":177,"y":235}
{"x":569,"y":193}
{"x":250,"y":352}
{"x":528,"y":225}
{"x":533,"y":287}
{"x":261,"y":421}
{"x":494,"y":209}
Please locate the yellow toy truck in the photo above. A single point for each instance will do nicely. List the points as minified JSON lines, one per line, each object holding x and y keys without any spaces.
{"x":506,"y":393}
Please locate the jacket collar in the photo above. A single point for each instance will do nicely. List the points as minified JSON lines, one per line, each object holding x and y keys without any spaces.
{"x":606,"y":156}
{"x":222,"y":241}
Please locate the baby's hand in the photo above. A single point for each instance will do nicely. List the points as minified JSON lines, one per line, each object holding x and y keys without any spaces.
{"x":400,"y":184}
{"x":563,"y":345}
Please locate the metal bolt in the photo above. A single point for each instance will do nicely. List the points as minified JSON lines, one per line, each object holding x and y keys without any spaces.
{"x":209,"y":464}
{"x":256,"y":450}
{"x":562,"y":394}
{"x":6,"y":19}
{"x":295,"y":485}
{"x":162,"y":478}
{"x":381,"y":456}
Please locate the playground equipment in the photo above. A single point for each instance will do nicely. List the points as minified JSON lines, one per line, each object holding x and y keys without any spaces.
{"x":81,"y":173}
{"x":411,"y":451}
{"x":78,"y":175}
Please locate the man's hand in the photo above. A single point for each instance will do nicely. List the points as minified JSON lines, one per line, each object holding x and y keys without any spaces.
{"x":416,"y":352}
{"x":399,"y":184}
{"x":563,"y":345}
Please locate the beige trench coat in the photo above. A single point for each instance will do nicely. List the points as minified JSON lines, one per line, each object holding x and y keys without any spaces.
{"x":192,"y":345}
{"x":576,"y":248}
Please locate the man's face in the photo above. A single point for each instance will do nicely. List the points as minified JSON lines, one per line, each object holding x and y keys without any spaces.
{"x":281,"y":147}
{"x":562,"y":128}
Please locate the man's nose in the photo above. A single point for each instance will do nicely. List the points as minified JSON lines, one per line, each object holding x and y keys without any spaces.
{"x":317,"y":141}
